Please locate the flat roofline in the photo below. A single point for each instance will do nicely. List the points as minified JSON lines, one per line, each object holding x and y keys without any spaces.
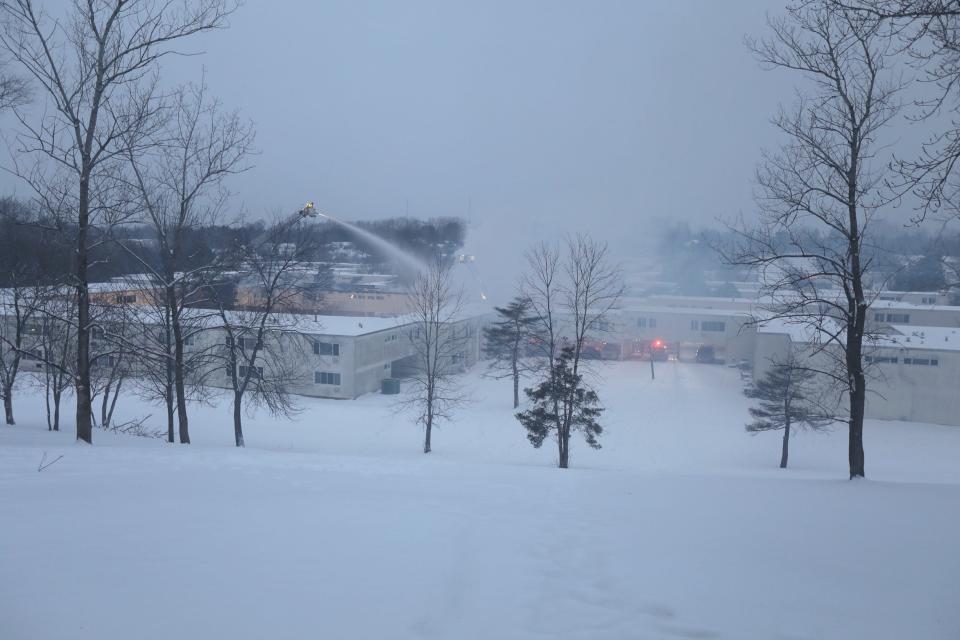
{"x":703,"y":311}
{"x":897,"y":304}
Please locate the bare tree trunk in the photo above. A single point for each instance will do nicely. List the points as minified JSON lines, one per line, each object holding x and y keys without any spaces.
{"x":855,"y":328}
{"x":57,"y":394}
{"x":52,"y":389}
{"x":516,"y":383}
{"x":82,"y":386}
{"x":8,"y":405}
{"x":113,"y":402}
{"x":46,"y":398}
{"x":855,"y":446}
{"x":238,"y":419}
{"x":427,"y":432}
{"x":786,"y":444}
{"x":168,"y":401}
{"x":104,"y":404}
{"x":563,"y":444}
{"x":178,"y":382}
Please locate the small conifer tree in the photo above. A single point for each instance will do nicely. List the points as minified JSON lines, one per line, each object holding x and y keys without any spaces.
{"x":561,"y":404}
{"x":786,"y":397}
{"x":505,"y":342}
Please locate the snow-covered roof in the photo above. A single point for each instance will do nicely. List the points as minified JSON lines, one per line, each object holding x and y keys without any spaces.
{"x":931,"y":338}
{"x":901,"y":337}
{"x":704,"y":301}
{"x":799,"y":332}
{"x":897,"y":292}
{"x":352,"y":326}
{"x":897,"y":304}
{"x":700,"y":311}
{"x":341,"y":325}
{"x":117,"y":287}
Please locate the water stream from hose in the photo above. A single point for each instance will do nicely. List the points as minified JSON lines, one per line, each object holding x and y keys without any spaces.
{"x":389,"y":248}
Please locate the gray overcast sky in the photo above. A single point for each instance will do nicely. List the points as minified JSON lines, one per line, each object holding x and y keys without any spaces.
{"x":607,"y":116}
{"x":604,"y":116}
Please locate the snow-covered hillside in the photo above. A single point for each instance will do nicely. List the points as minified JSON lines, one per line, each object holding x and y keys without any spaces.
{"x":335,"y":526}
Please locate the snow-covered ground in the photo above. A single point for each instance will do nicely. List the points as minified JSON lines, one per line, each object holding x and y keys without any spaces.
{"x":335,"y":526}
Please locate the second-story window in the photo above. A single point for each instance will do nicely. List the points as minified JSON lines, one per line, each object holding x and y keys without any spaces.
{"x":326,"y":348}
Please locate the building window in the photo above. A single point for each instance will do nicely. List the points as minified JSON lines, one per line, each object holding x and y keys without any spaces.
{"x":930,"y":362}
{"x":695,"y":325}
{"x":255,"y":372}
{"x":898,"y":318}
{"x":250,"y":344}
{"x":878,"y":317}
{"x":326,"y":377}
{"x":652,"y":322}
{"x":326,"y":348}
{"x":881,"y":359}
{"x":105,"y":361}
{"x":123,"y":298}
{"x":641,"y":323}
{"x":243,"y":343}
{"x":96,"y":333}
{"x":713,"y":325}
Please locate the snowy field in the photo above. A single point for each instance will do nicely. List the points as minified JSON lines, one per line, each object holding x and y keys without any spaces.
{"x":336,"y":526}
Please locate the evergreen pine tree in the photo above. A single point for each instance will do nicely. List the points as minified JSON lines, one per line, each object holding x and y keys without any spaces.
{"x":786,"y":400}
{"x":562,"y":405}
{"x":505,"y":340}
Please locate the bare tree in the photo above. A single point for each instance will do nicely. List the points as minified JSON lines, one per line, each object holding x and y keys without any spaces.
{"x":58,"y":341}
{"x":439,"y":341}
{"x":26,"y":285}
{"x":819,"y":193}
{"x":928,"y":31}
{"x":263,"y":350}
{"x":109,"y":373}
{"x":570,"y":291}
{"x":19,"y":338}
{"x":594,"y":285}
{"x":97,"y":68}
{"x":155,"y":352}
{"x":541,"y":286}
{"x":179,"y":185}
{"x":116,"y":336}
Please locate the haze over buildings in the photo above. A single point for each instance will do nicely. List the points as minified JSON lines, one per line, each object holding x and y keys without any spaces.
{"x":521,"y":116}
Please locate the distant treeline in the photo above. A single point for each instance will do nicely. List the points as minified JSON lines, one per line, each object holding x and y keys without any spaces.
{"x":36,"y":249}
{"x":902,"y":257}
